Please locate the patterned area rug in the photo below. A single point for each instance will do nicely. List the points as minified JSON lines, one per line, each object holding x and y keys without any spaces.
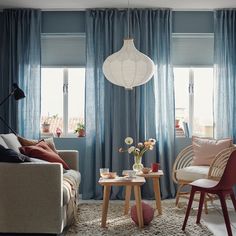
{"x":169,"y":223}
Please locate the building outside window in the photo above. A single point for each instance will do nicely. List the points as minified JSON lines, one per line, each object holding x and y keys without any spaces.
{"x":62,"y":99}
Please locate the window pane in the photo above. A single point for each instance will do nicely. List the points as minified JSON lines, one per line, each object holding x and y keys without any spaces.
{"x":198,"y":104}
{"x":52,"y":97}
{"x":203,"y":102}
{"x":76,"y":88}
{"x":181,"y":79}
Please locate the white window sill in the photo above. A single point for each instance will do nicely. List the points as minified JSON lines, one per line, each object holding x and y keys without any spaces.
{"x":51,"y":135}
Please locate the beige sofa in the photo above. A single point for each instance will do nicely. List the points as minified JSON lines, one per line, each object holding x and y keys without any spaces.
{"x":36,"y":197}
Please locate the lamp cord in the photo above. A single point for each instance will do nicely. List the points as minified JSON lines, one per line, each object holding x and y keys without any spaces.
{"x":128,"y":20}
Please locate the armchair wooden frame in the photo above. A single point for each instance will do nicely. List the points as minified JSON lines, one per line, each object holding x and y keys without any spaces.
{"x":216,"y":169}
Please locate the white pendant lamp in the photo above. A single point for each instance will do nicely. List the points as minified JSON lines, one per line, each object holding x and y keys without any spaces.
{"x":128,"y":67}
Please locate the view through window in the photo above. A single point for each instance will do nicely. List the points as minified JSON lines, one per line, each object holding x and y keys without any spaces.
{"x":62,"y":99}
{"x":194,"y":99}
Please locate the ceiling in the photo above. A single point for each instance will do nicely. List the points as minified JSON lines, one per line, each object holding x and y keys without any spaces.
{"x":83,"y":4}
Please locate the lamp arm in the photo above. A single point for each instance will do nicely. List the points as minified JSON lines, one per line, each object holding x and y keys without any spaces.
{"x":8,"y":126}
{"x":5,"y":99}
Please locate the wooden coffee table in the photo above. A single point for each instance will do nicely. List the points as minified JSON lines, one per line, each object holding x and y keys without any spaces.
{"x":134,"y":182}
{"x":156,"y":188}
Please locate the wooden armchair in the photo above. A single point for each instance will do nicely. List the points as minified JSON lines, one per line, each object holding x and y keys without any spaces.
{"x":183,"y":173}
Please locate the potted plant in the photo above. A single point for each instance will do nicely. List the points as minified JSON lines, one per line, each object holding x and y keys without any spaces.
{"x":45,"y":127}
{"x":46,"y":124}
{"x":80,"y":130}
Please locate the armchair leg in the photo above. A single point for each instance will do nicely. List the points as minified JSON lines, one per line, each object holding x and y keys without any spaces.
{"x":225,"y":213}
{"x":202,"y":197}
{"x":178,"y":195}
{"x":189,"y":207}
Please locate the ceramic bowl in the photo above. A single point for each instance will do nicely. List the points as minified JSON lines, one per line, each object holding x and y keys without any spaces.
{"x":146,"y":170}
{"x":112,"y":175}
{"x":131,"y":173}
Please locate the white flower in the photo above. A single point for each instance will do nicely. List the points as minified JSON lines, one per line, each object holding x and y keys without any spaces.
{"x":140,"y":144}
{"x":129,"y":140}
{"x":137,"y":150}
{"x":152,"y":140}
{"x":131,"y":149}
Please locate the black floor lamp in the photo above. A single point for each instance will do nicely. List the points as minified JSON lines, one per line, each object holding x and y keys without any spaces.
{"x":18,"y":94}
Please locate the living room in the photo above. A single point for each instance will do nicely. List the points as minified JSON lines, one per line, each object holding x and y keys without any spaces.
{"x":60,"y":90}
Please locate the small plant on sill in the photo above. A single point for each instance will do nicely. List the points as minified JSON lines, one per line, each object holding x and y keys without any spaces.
{"x":80,"y":129}
{"x":46,"y":124}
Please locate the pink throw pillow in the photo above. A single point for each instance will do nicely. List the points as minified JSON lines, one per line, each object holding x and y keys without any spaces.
{"x":42,"y":151}
{"x":205,"y":149}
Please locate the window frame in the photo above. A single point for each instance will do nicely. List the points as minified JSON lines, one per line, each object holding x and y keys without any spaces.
{"x":65,"y":113}
{"x":191,"y":92}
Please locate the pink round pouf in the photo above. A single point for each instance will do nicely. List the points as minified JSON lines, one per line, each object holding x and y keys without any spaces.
{"x":148,"y":213}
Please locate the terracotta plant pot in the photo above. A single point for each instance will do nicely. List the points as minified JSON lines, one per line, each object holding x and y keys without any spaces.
{"x":45,"y":128}
{"x":81,"y":133}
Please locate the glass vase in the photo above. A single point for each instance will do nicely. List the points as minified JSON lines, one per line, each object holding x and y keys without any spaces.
{"x":137,"y":166}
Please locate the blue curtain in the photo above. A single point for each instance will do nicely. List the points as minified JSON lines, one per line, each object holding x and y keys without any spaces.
{"x":20,"y":61}
{"x":113,"y":113}
{"x":225,"y":74}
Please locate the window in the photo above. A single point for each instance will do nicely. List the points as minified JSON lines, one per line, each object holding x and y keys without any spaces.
{"x":194,"y":99}
{"x":62,"y":99}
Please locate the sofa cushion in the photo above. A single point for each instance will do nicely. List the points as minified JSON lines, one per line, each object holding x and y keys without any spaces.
{"x":51,"y":144}
{"x":11,"y":141}
{"x":9,"y":155}
{"x":192,"y":173}
{"x":43,"y":152}
{"x":2,"y":142}
{"x":36,"y":160}
{"x":71,"y":182}
{"x":30,"y":142}
{"x":205,"y":149}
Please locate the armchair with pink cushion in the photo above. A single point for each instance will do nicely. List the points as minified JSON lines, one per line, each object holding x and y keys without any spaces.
{"x":205,"y":158}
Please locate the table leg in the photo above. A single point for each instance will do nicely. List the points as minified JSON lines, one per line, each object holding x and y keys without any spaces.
{"x":128,"y":189}
{"x":106,"y":196}
{"x":137,"y":194}
{"x":156,"y":188}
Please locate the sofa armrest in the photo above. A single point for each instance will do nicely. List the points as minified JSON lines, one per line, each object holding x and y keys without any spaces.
{"x":71,"y":157}
{"x":32,"y":196}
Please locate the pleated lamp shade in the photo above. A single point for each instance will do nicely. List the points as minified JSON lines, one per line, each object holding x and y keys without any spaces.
{"x":128,"y":67}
